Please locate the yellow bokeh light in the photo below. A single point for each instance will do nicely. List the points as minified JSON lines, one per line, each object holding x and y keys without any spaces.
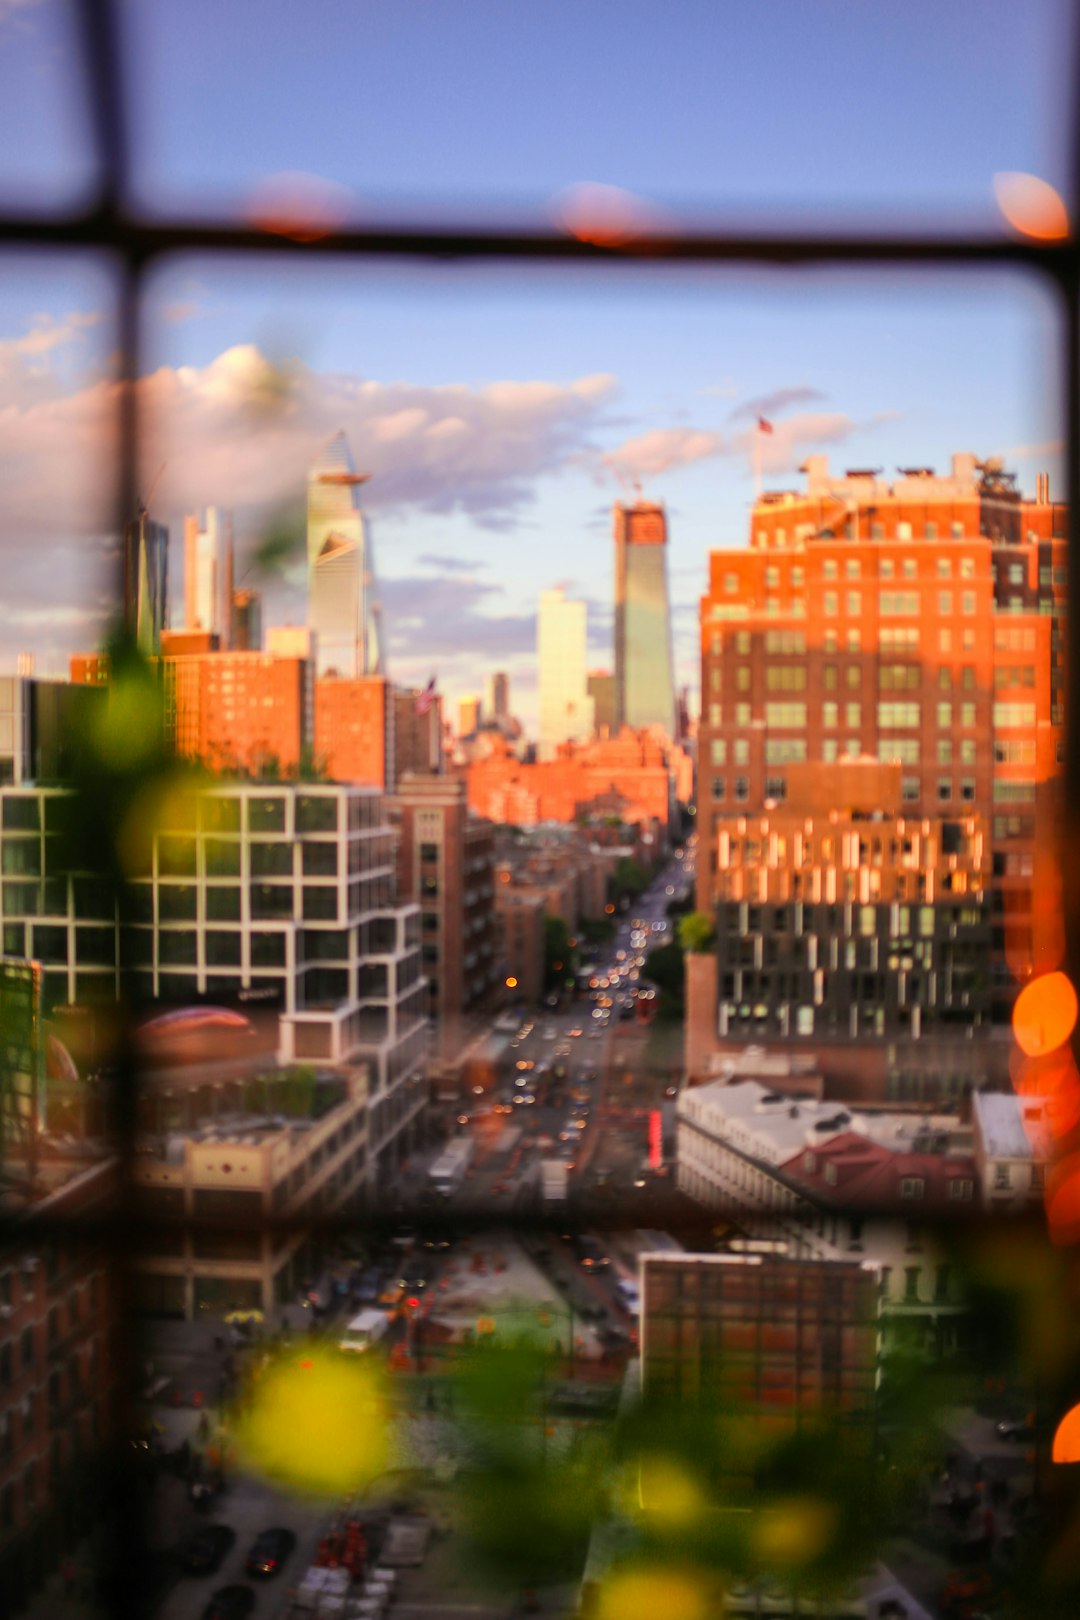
{"x":646,"y":1594}
{"x":317,"y":1421}
{"x":667,"y":1491}
{"x":796,"y":1531}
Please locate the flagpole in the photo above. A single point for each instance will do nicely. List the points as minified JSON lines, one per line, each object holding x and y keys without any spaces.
{"x":757,"y":463}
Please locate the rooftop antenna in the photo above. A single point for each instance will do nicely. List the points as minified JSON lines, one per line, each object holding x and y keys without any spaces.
{"x":144,"y":505}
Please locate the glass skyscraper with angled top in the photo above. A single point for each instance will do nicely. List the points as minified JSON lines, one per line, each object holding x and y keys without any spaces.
{"x":644,"y":679}
{"x":343,"y":605}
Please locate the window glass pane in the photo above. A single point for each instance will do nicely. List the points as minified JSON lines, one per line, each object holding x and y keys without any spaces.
{"x":46,"y":152}
{"x":501,"y":110}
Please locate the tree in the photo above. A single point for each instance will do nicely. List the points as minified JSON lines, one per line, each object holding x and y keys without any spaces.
{"x":629,"y":876}
{"x":559,"y":959}
{"x":665,"y":967}
{"x":697,"y":933}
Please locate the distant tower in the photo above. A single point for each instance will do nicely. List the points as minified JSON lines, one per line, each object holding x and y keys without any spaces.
{"x":566,"y":709}
{"x":343,"y":608}
{"x":208,"y":574}
{"x":644,"y":681}
{"x":468,"y":716}
{"x":601,"y":686}
{"x":146,"y":581}
{"x":497,"y":697}
{"x":245,"y":621}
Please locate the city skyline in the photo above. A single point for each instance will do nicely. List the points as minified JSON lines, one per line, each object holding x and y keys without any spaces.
{"x":499,"y":411}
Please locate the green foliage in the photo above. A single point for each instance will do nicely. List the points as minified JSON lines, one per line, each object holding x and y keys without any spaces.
{"x":597,"y":930}
{"x":281,"y":542}
{"x":629,"y":877}
{"x":559,"y":956}
{"x":666,"y":968}
{"x":697,"y":933}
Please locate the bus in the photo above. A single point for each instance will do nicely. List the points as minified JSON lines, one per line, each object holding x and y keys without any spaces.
{"x":451,"y":1167}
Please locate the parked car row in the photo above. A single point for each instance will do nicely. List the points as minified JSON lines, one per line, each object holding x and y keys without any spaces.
{"x":206,"y":1550}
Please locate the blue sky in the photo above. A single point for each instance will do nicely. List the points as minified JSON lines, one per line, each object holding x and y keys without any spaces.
{"x":827,"y":110}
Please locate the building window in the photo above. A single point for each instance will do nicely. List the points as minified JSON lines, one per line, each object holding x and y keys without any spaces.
{"x":742,"y":789}
{"x":719,"y":788}
{"x":741,"y":751}
{"x":912,"y":1186}
{"x":1002,"y":1178}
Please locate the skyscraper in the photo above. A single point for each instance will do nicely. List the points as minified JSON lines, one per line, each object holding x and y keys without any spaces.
{"x":146,"y":581}
{"x":644,"y":681}
{"x":566,"y":709}
{"x":208,"y":569}
{"x":343,"y":608}
{"x":497,"y":696}
{"x":601,"y":688}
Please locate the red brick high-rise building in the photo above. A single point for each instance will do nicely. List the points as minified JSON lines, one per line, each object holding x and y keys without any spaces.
{"x":636,"y":776}
{"x":354,"y":738}
{"x":230,"y":711}
{"x":445,"y":862}
{"x":917,"y":620}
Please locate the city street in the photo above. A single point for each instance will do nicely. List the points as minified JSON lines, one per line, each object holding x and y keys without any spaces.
{"x":561,"y":1082}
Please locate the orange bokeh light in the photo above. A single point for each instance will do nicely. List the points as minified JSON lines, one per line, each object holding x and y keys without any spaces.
{"x":305,"y":207}
{"x":1031,"y":206}
{"x":1066,"y":1447}
{"x":1056,"y":1080}
{"x":1063,"y":1201}
{"x":1045,"y":1014}
{"x":605,"y":215}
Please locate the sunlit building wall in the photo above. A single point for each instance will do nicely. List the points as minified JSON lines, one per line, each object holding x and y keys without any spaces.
{"x":917,"y":620}
{"x":566,"y":709}
{"x":644,"y":675}
{"x":208,"y":573}
{"x":343,"y":605}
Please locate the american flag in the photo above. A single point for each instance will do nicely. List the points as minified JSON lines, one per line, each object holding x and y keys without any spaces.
{"x":764,"y":425}
{"x":426,"y":698}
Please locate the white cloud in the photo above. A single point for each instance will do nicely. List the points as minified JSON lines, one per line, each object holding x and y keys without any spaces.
{"x":663,"y":449}
{"x":241,"y":432}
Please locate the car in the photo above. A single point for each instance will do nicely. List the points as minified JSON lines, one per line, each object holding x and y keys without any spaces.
{"x":206,"y":1550}
{"x":269,"y":1551}
{"x":1021,"y":1428}
{"x":574,"y":1033}
{"x":230,"y":1603}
